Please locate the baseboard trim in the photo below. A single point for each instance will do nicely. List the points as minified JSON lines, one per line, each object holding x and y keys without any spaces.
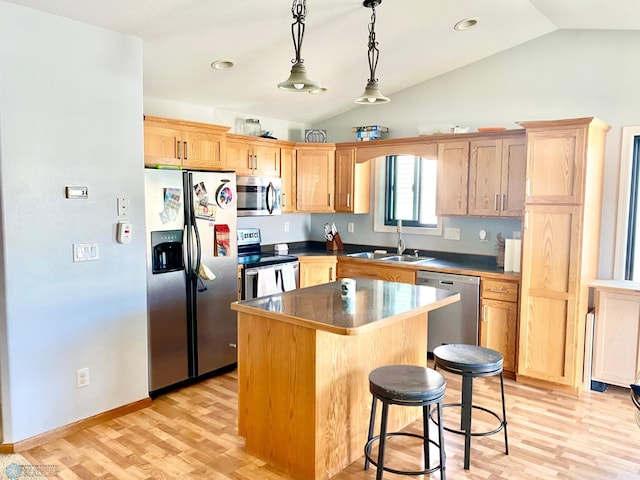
{"x":547,"y":385}
{"x":60,"y":432}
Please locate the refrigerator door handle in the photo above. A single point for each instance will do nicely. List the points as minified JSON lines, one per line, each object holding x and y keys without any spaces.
{"x":198,"y":253}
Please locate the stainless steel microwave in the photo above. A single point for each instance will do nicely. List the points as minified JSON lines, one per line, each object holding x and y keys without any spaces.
{"x":258,"y":196}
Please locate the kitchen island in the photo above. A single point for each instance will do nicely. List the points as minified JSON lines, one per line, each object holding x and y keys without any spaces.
{"x":304,"y":359}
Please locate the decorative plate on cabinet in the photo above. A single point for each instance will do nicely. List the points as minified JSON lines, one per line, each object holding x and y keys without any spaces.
{"x":315,"y":136}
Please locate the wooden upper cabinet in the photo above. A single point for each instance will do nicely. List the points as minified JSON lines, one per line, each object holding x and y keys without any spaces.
{"x":185,"y":144}
{"x":288,"y":175}
{"x":353,"y":182}
{"x":452,"y":179}
{"x":315,"y":174}
{"x":556,"y":153}
{"x":497,"y":177}
{"x":252,"y":156}
{"x":513,"y":179}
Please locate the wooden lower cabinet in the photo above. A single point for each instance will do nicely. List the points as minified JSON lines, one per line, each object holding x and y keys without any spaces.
{"x":317,"y":270}
{"x":616,"y":342}
{"x":351,"y":268}
{"x":499,"y":319}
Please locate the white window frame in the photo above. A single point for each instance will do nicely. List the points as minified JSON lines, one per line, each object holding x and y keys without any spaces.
{"x":624,"y":190}
{"x":379,"y":206}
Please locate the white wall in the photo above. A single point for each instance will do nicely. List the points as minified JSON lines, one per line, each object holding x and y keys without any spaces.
{"x":281,"y":129}
{"x":70,"y":114}
{"x":565,"y":74}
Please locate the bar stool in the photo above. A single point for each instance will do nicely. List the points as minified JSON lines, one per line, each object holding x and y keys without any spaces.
{"x":407,"y":385}
{"x":472,"y":361}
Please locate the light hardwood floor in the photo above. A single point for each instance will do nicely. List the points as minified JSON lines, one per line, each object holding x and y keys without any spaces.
{"x":191,"y":434}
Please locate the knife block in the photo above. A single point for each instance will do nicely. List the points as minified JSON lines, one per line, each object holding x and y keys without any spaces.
{"x":336,"y":243}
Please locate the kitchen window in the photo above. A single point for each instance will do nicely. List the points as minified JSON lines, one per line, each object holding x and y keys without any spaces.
{"x":627,"y":256}
{"x":406,"y":190}
{"x":410,"y":191}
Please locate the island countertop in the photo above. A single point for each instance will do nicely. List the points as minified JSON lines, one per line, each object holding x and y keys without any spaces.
{"x":377,"y":303}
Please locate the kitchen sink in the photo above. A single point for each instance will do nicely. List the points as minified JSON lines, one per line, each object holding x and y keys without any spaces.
{"x":390,"y":257}
{"x":408,"y":258}
{"x":370,"y":255}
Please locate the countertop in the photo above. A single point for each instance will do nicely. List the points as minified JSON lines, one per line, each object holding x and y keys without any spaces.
{"x":446,"y":262}
{"x":623,"y":285}
{"x":377,"y":303}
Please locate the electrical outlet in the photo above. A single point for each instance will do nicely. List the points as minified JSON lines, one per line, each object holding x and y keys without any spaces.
{"x":82,"y":377}
{"x":452,"y":234}
{"x":286,"y":226}
{"x":350,"y":227}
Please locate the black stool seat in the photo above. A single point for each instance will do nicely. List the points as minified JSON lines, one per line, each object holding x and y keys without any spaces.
{"x":458,"y":358}
{"x":472,"y":361}
{"x":407,"y":385}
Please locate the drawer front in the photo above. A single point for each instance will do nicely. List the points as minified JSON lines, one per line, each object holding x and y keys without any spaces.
{"x":499,"y":290}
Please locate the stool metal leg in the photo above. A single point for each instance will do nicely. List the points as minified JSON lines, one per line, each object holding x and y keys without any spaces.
{"x":443,"y":474}
{"x":465,"y":418}
{"x":504,"y":415}
{"x":425,"y":433}
{"x":372,"y":421}
{"x":383,"y":440}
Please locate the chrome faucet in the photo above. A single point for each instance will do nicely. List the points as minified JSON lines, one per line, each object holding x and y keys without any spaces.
{"x":401,"y":246}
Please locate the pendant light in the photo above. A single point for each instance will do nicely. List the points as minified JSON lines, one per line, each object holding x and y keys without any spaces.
{"x":298,"y":81}
{"x":372,"y":95}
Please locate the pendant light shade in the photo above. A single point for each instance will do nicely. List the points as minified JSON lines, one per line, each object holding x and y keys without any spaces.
{"x":298,"y":81}
{"x":372,"y":95}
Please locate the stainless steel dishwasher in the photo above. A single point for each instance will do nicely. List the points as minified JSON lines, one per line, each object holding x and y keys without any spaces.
{"x":458,"y":322}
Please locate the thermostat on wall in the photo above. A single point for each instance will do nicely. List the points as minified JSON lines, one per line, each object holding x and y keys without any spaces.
{"x":76,"y":192}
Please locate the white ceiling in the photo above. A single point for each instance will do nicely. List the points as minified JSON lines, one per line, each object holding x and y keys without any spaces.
{"x":417,"y":42}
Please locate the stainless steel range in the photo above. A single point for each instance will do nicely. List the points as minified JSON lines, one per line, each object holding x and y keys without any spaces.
{"x":264,"y":274}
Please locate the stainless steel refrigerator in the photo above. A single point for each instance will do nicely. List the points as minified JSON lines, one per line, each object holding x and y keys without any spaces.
{"x":191,"y":274}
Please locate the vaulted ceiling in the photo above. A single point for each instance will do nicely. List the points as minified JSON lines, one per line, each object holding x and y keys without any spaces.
{"x":417,"y":41}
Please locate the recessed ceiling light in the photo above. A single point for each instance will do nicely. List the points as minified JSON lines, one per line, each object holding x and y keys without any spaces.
{"x":466,"y":24}
{"x":222,"y":65}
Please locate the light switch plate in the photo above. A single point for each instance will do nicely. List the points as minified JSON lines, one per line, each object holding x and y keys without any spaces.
{"x":85,"y":252}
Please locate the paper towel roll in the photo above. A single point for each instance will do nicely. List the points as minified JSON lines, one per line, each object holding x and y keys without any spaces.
{"x":508,"y":255}
{"x":512,"y":255}
{"x":517,"y":246}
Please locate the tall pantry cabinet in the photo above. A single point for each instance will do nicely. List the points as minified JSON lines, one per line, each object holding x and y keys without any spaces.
{"x":560,"y":245}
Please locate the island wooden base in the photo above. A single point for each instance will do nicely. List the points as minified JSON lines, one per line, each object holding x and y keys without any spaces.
{"x":303,"y":393}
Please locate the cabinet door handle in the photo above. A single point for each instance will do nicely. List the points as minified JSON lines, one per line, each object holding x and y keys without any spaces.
{"x":484,"y":313}
{"x":498,"y":290}
{"x":186,"y":150}
{"x":283,"y":199}
{"x":495,"y":202}
{"x":330,"y":200}
{"x":348,"y":200}
{"x":178,"y":150}
{"x":502,"y":202}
